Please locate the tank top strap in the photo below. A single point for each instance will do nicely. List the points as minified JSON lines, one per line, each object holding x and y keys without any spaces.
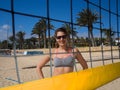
{"x":72,"y":52}
{"x":56,"y":51}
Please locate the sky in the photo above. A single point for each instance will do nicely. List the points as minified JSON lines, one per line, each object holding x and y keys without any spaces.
{"x":58,"y":9}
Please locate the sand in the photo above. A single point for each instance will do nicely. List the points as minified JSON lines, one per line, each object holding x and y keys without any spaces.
{"x":27,"y":70}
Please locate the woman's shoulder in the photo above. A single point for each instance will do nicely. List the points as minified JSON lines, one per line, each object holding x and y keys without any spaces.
{"x":54,"y":50}
{"x":74,"y":49}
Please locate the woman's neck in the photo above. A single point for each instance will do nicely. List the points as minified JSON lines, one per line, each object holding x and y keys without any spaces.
{"x":62,"y":47}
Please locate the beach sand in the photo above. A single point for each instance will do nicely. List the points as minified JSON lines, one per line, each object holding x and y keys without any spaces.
{"x":27,"y":70}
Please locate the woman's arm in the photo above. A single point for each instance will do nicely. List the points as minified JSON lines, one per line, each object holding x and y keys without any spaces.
{"x":41,"y":64}
{"x":80,"y":59}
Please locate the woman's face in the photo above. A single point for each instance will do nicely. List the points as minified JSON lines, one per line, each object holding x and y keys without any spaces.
{"x":61,"y":38}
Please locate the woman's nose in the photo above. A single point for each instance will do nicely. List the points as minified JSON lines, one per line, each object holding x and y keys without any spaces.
{"x":61,"y":38}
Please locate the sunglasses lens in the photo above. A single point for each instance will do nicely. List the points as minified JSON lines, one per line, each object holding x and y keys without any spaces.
{"x":59,"y":37}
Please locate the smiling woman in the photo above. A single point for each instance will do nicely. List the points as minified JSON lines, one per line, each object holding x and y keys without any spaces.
{"x":63,"y":57}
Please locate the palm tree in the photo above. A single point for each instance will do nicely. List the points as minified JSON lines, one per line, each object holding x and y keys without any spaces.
{"x":44,"y":27}
{"x":40,"y":28}
{"x":28,"y":44}
{"x":33,"y":40}
{"x":88,"y":18}
{"x":38,"y":31}
{"x":108,"y":33}
{"x":20,"y":39}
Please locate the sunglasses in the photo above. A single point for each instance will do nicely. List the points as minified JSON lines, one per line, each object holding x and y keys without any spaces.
{"x":63,"y":37}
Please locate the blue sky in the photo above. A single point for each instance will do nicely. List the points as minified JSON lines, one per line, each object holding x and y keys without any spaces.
{"x":59,"y":9}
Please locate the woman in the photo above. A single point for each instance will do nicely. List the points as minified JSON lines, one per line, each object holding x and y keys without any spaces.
{"x":64,"y":56}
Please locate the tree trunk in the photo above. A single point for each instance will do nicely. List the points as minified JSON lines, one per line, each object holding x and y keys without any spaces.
{"x":90,"y":27}
{"x":44,"y":38}
{"x":92,"y":38}
{"x":39,"y":40}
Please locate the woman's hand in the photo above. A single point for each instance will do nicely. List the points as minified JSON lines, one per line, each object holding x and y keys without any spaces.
{"x":41,"y":64}
{"x":80,"y":59}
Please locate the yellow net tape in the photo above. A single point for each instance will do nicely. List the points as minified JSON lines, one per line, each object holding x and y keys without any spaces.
{"x":89,"y":79}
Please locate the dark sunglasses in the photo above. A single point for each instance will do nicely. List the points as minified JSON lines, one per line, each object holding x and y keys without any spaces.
{"x":63,"y":37}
